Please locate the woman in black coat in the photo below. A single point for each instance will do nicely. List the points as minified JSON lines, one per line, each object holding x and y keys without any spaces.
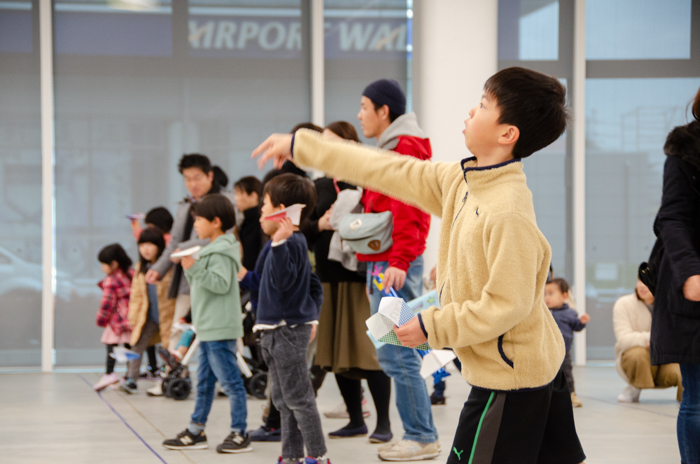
{"x":675,"y":330}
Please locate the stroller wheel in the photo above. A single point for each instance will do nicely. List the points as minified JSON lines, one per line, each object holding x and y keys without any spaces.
{"x":166,"y":390}
{"x":257,"y":385}
{"x":179,"y":389}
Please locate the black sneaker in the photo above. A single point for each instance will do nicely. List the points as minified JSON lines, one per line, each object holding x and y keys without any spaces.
{"x":129,"y":387}
{"x":235,"y":443}
{"x":187,"y":440}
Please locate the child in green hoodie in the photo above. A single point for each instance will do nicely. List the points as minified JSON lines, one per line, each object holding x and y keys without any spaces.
{"x":216,"y":316}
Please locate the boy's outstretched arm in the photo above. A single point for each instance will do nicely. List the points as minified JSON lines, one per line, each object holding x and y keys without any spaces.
{"x":403,"y":177}
{"x":516,"y":268}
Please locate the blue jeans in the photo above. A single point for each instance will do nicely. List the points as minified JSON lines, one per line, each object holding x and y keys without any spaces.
{"x":689,"y":415}
{"x":403,"y":364}
{"x":217,"y":361}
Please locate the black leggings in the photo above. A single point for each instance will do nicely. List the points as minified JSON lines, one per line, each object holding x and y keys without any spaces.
{"x":379,"y":385}
{"x":110,"y":360}
{"x":152,"y":359}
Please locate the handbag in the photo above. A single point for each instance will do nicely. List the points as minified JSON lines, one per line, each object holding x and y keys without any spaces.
{"x":368,"y":233}
{"x":648,"y":271}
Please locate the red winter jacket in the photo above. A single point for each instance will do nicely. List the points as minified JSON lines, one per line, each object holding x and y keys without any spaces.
{"x":411,"y":225}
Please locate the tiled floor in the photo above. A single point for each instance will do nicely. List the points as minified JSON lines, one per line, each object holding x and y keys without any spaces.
{"x":57,"y":418}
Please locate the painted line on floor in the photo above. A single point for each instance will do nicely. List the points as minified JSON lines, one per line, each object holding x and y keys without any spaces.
{"x":630,"y":406}
{"x":126,"y":400}
{"x":125,"y":422}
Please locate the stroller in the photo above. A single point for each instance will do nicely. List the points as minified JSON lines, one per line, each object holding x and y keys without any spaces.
{"x":178,"y":385}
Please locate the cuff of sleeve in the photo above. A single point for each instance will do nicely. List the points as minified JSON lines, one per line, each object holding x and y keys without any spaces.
{"x":276,"y":244}
{"x":400,"y":264}
{"x":422,"y":327}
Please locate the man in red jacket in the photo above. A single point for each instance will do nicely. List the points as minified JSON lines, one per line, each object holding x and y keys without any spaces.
{"x":382,"y":116}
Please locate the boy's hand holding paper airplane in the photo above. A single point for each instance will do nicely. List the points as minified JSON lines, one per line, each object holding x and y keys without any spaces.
{"x":292,"y":212}
{"x":410,"y":334}
{"x":187,"y":262}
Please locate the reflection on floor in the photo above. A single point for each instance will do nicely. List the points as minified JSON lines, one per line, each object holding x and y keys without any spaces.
{"x":57,"y":418}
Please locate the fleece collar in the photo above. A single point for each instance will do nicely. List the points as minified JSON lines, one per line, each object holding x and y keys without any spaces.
{"x":484,"y":177}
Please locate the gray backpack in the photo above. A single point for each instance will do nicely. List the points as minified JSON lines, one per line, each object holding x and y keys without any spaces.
{"x":368,"y":233}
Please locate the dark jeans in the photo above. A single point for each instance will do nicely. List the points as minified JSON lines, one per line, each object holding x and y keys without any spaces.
{"x":568,"y":371}
{"x":689,"y":415}
{"x":217,"y":361}
{"x":284,"y":351}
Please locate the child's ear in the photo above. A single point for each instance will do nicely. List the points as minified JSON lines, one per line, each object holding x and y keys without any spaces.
{"x":114,"y":265}
{"x":281,"y":206}
{"x":510,"y":136}
{"x":216,"y":222}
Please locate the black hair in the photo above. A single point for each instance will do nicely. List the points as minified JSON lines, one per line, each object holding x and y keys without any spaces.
{"x":249,"y":185}
{"x":290,"y":189}
{"x":532,"y":102}
{"x":306,"y":125}
{"x":115,"y":252}
{"x":392,"y":116}
{"x":271,"y":174}
{"x":220,"y":177}
{"x":215,"y":205}
{"x":560,"y":283}
{"x":195,"y":160}
{"x":160,"y":218}
{"x":154,"y":236}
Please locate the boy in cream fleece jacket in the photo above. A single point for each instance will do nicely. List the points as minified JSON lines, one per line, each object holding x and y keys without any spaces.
{"x":492,"y":268}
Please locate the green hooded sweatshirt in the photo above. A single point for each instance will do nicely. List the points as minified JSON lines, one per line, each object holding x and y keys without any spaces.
{"x":216,"y":300}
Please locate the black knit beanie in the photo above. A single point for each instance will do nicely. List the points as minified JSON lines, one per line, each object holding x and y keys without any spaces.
{"x":387,"y":92}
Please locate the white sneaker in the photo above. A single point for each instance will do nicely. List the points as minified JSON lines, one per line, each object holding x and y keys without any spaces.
{"x":157,"y":390}
{"x":341,"y":411}
{"x":629,"y":395}
{"x":105,"y":381}
{"x":408,"y":450}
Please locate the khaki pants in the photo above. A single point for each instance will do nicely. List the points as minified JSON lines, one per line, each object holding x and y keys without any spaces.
{"x":636,"y":363}
{"x":182,"y":307}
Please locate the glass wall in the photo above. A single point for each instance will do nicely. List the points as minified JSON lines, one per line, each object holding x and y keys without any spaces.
{"x":643,"y":67}
{"x":363,"y":45}
{"x":642,"y":73}
{"x":528,"y":36}
{"x":20,"y":177}
{"x":135,"y":88}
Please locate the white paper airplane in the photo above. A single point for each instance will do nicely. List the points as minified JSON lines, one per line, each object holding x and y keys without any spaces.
{"x":293,"y":213}
{"x":193,"y":252}
{"x":121,"y":354}
{"x":434,"y":361}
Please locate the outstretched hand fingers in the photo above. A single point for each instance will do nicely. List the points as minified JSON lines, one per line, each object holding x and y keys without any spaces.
{"x":277,"y":147}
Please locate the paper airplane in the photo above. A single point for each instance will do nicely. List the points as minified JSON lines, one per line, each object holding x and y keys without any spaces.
{"x":135,"y":217}
{"x":434,"y":361}
{"x":193,"y":252}
{"x":392,"y":311}
{"x":293,"y":213}
{"x":376,"y":344}
{"x":423,"y":302}
{"x":121,"y":354}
